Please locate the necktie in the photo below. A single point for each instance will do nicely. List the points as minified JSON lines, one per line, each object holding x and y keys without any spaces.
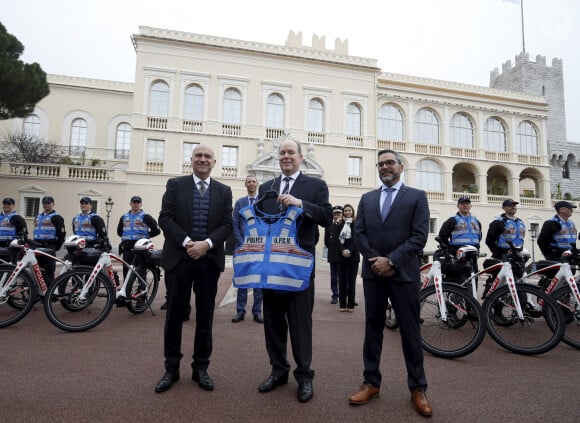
{"x":202,"y":187}
{"x":387,"y":203}
{"x":252,"y":199}
{"x":286,"y":189}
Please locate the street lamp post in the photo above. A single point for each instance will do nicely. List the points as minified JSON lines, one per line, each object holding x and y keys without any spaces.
{"x":109,"y":207}
{"x":533,"y":236}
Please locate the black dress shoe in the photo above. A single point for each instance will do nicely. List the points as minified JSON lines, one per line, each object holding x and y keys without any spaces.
{"x":258,"y":318}
{"x":238,"y":318}
{"x":272,"y":382}
{"x":305,"y":391}
{"x":166,"y":381}
{"x":164,"y":306}
{"x":202,"y":379}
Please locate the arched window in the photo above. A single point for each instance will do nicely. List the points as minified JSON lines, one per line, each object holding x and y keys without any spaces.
{"x":78,"y":137}
{"x":390,"y":123}
{"x":123,"y":141}
{"x":193,"y":104}
{"x":275,"y":111}
{"x":354,"y":120}
{"x":159,"y":99}
{"x":527,"y":139}
{"x":429,"y":176}
{"x":461,"y":131}
{"x":315,"y":115}
{"x":494,"y":135}
{"x":31,"y":126}
{"x":426,"y":127}
{"x":232,"y":107}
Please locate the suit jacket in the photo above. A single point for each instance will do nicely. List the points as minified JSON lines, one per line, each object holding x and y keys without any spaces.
{"x":317,"y":210}
{"x":401,"y":236}
{"x":176,"y":219}
{"x":238,"y":221}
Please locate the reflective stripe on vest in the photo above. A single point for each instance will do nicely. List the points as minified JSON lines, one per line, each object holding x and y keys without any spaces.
{"x":270,"y":257}
{"x":44,"y":229}
{"x":565,"y":236}
{"x":82,"y":226}
{"x":7,"y":229}
{"x":514,"y":232}
{"x":134,"y":227}
{"x":466,"y":231}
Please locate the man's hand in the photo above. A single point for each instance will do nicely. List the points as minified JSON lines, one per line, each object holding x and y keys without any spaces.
{"x":196,"y":249}
{"x":289,"y":200}
{"x":381,"y":266}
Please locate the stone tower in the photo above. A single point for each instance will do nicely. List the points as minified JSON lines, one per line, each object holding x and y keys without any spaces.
{"x":538,"y":79}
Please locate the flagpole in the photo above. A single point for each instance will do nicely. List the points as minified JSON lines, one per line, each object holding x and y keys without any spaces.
{"x":523,"y":38}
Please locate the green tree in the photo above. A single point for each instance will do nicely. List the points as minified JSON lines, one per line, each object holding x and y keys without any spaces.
{"x":22,"y":85}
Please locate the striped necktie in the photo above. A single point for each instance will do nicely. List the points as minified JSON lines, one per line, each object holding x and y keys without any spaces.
{"x":286,"y":189}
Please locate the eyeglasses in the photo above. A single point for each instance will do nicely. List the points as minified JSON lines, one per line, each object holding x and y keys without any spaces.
{"x":387,"y":163}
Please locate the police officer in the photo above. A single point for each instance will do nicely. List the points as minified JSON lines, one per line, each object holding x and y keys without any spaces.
{"x":50,"y":233}
{"x":506,"y":228}
{"x":89,"y":225}
{"x":558,"y":232}
{"x":133,"y":226}
{"x":12,"y":226}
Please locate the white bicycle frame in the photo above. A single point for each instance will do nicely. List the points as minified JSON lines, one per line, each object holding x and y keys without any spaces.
{"x":434,"y":277}
{"x":29,"y":261}
{"x":564,"y":275}
{"x":106,"y":263}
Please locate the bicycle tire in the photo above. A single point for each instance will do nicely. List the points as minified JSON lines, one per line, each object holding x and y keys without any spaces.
{"x":78,"y":315}
{"x":20,"y":297}
{"x":464,"y":329}
{"x":571,"y":311}
{"x":137,"y":303}
{"x":538,"y":332}
{"x":391,"y":322}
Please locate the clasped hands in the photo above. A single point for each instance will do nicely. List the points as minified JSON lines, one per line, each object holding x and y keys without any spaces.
{"x":196,"y":249}
{"x":381,"y":266}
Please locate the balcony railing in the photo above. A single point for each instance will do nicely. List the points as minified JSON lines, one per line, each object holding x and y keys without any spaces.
{"x":230,"y":129}
{"x":122,"y":154}
{"x":398,"y":146}
{"x":186,"y":168}
{"x":316,"y":137}
{"x":194,"y":126}
{"x":154,"y":167}
{"x":497,"y":156}
{"x":91,"y":173}
{"x":468,"y":153}
{"x":355,"y":181}
{"x":428,"y":149}
{"x":65,"y":171}
{"x":273,"y":133}
{"x":474,"y":197}
{"x":354,"y":141}
{"x":229,"y":171}
{"x":435,"y":195}
{"x":156,"y":122}
{"x":531,"y":202}
{"x":524,"y":158}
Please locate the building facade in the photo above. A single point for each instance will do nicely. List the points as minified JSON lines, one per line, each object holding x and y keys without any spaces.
{"x":243,"y":98}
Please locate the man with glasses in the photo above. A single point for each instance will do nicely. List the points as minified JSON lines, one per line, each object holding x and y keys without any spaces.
{"x":558,"y":232}
{"x":391,"y":228}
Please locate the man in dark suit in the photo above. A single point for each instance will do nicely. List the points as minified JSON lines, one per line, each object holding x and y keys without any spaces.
{"x":292,"y":311}
{"x":391,"y":228}
{"x":242,"y":294}
{"x":196,"y":219}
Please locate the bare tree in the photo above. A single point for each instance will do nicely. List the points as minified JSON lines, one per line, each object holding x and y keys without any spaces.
{"x":23,"y":147}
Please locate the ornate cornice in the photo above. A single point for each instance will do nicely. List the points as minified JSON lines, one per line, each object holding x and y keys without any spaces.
{"x":299,"y":52}
{"x":99,"y":84}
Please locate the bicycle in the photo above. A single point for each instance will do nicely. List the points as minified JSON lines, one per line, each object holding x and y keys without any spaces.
{"x":87,"y":293}
{"x":557,"y":280}
{"x":452,"y":320}
{"x":520,"y":317}
{"x":23,"y":284}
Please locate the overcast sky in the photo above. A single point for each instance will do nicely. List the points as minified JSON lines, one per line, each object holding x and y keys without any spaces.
{"x":452,"y":40}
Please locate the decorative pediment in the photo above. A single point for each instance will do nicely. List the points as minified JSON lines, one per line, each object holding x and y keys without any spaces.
{"x":32,"y":189}
{"x":90,"y":193}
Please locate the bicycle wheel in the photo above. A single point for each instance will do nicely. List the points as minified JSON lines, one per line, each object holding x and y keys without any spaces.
{"x":19,"y":298}
{"x":541,"y":328}
{"x":67,"y":311}
{"x":141,"y":295}
{"x":571,"y":310}
{"x":461,"y":333}
{"x":390,"y":319}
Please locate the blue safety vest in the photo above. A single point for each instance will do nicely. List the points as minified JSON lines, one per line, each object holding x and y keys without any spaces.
{"x":44,"y":229}
{"x":7,"y":229}
{"x":566,"y":236}
{"x":466,"y":231}
{"x":514,"y":232}
{"x":82,"y":226}
{"x":134,"y":227}
{"x":270,"y":257}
